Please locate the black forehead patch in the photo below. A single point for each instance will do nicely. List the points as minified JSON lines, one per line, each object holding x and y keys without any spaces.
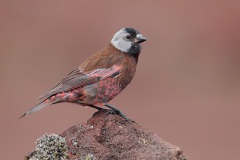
{"x":131,"y":31}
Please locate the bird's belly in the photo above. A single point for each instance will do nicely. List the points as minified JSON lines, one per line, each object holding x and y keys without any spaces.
{"x":101,"y":92}
{"x":107,"y":90}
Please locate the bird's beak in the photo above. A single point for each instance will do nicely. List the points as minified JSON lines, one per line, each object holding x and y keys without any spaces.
{"x":140,"y":38}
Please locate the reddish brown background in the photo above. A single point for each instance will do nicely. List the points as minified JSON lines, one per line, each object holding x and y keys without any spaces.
{"x":186,"y":89}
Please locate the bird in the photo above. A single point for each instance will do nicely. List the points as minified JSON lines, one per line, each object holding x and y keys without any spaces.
{"x":100,"y":77}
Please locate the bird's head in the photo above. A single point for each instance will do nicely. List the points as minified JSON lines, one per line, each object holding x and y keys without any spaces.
{"x":128,"y":40}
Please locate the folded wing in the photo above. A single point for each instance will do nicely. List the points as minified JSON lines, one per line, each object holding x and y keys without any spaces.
{"x":77,"y":78}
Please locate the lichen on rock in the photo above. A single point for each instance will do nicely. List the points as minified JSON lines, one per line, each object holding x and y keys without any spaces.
{"x":50,"y":147}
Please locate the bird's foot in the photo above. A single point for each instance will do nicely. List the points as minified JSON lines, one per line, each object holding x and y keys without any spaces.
{"x":112,"y":110}
{"x":118,"y":112}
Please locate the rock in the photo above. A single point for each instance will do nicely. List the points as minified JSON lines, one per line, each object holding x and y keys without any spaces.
{"x":110,"y":137}
{"x":105,"y":137}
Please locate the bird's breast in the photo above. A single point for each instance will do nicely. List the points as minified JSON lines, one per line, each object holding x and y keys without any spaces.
{"x":127,"y":74}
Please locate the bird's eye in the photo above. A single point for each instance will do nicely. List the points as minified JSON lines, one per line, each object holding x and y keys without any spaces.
{"x":128,"y":36}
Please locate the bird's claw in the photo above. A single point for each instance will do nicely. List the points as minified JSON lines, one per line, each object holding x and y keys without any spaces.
{"x":111,"y":111}
{"x":118,"y":112}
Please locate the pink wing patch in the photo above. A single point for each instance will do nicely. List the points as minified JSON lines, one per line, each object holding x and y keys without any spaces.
{"x":106,"y":73}
{"x":77,"y":79}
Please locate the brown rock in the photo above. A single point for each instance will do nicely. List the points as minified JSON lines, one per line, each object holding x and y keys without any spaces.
{"x":110,"y":137}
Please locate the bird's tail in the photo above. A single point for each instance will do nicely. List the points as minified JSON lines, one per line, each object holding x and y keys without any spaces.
{"x":41,"y":105}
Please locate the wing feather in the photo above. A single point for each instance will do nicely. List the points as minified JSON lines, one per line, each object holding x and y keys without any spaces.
{"x":77,"y":78}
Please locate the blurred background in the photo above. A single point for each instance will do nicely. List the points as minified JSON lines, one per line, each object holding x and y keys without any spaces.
{"x":187,"y":85}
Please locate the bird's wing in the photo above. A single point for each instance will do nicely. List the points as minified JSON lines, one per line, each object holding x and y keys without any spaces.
{"x":77,"y":78}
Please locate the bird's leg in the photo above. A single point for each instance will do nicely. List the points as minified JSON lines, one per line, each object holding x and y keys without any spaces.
{"x":90,"y":105}
{"x":116,"y":111}
{"x":111,"y":111}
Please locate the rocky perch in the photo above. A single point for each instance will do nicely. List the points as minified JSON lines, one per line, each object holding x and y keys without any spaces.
{"x":105,"y":137}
